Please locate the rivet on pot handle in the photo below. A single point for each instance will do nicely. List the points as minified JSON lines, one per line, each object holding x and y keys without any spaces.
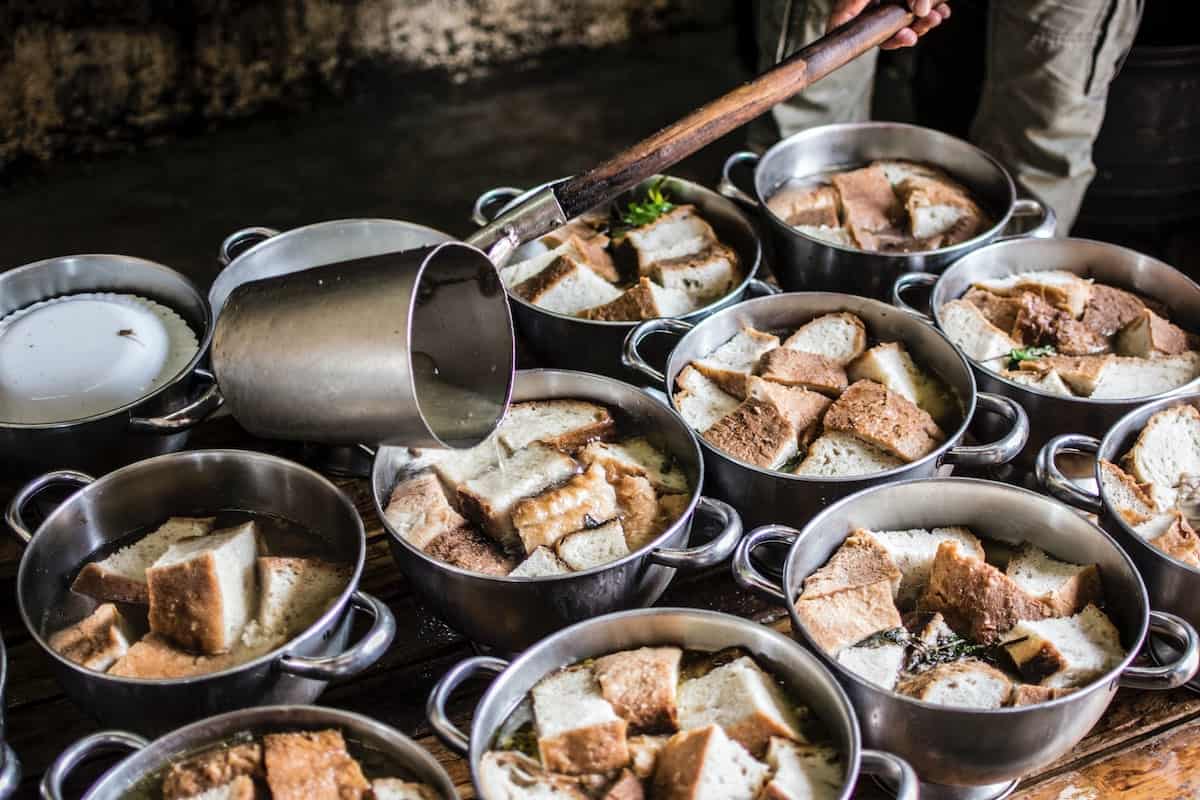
{"x":1029,"y":207}
{"x":482,"y":212}
{"x":727,"y":187}
{"x":15,"y":513}
{"x":898,"y":776}
{"x":1004,"y":449}
{"x":73,"y":756}
{"x":912,"y":280}
{"x":744,"y":571}
{"x":362,"y":655}
{"x":711,"y":553}
{"x":435,"y":706}
{"x":1059,"y":486}
{"x":630,"y":356}
{"x":238,"y":242}
{"x":191,"y":415}
{"x":1176,"y":673}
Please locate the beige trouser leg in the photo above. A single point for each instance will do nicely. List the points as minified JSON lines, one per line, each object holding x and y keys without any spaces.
{"x":1049,"y":66}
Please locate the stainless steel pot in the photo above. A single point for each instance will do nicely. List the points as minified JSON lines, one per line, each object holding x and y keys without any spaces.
{"x":802,"y":263}
{"x":511,"y":614}
{"x":149,"y":758}
{"x":762,"y":495}
{"x":10,"y":765}
{"x":1173,"y":585}
{"x":563,"y":341}
{"x":197,"y":482}
{"x":798,"y":670}
{"x":1107,"y":263}
{"x":964,"y":753}
{"x":155,"y":423}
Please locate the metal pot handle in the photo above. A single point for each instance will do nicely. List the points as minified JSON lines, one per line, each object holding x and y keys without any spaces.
{"x":727,"y":187}
{"x":760,"y":288}
{"x":711,"y":553}
{"x":1176,"y":673}
{"x":912,"y":280}
{"x":482,"y":212}
{"x":747,"y":575}
{"x":76,"y":754}
{"x":435,"y":706}
{"x":362,"y":655}
{"x":10,"y":774}
{"x":1030,"y":207}
{"x":1059,"y":486}
{"x":1004,"y":449}
{"x":238,"y":242}
{"x":630,"y":356}
{"x":897,"y":775}
{"x":191,"y":415}
{"x":14,"y":515}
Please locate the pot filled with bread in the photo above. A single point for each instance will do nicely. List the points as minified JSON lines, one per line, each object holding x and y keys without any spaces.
{"x":801,"y":399}
{"x":274,"y":752}
{"x":850,"y":207}
{"x":1079,"y":332}
{"x":662,"y":704}
{"x":581,"y":503}
{"x":195,"y":583}
{"x":980,"y":629}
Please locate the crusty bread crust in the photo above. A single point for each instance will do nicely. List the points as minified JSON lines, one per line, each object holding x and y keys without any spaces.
{"x":466,"y":548}
{"x":757,"y":433}
{"x":816,"y":206}
{"x":96,"y":641}
{"x":625,"y":787}
{"x":637,"y":505}
{"x":883,"y":418}
{"x":1149,"y":335}
{"x":312,"y":765}
{"x":841,"y":619}
{"x":211,"y":769}
{"x":807,"y":370}
{"x":860,"y":560}
{"x":95,"y":581}
{"x":155,"y":657}
{"x":867,"y":198}
{"x":920,"y":685}
{"x":185,"y":604}
{"x":419,"y":510}
{"x":1027,"y":694}
{"x":641,"y":687}
{"x":582,"y":751}
{"x":545,"y":518}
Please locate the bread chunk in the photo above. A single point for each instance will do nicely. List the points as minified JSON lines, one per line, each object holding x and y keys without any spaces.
{"x":805,"y":370}
{"x":1000,"y":311}
{"x":467,"y":548}
{"x":644,"y":300}
{"x":757,"y":433}
{"x":637,"y":457}
{"x":156,"y":657}
{"x":703,"y":276}
{"x":121,"y":577}
{"x":203,"y":591}
{"x":841,"y":337}
{"x":1172,"y":534}
{"x":741,"y":698}
{"x":641,"y":687}
{"x":561,"y":424}
{"x":566,"y":287}
{"x":860,"y":560}
{"x":587,"y":245}
{"x":643,"y":754}
{"x":455,"y":467}
{"x":1049,"y":382}
{"x":890,"y":365}
{"x":541,"y":563}
{"x":966,"y":683}
{"x":966,"y":326}
{"x":398,"y":789}
{"x":677,"y":233}
{"x":837,"y":236}
{"x":584,"y":501}
{"x":1064,"y":588}
{"x":867,"y":199}
{"x":1065,"y":652}
{"x":1110,"y":309}
{"x":508,"y":775}
{"x":879,"y":664}
{"x":1149,"y":335}
{"x":489,"y":499}
{"x":312,"y":765}
{"x":212,"y":769}
{"x":1060,"y":288}
{"x":1142,"y":377}
{"x":593,"y":547}
{"x":803,"y":772}
{"x":884,"y":419}
{"x":700,"y":401}
{"x":1125,"y":494}
{"x":96,"y":641}
{"x":637,"y":504}
{"x":732,"y":364}
{"x":940,"y":209}
{"x":812,"y":205}
{"x":419,"y":512}
{"x":578,"y":731}
{"x":1167,"y":448}
{"x":294,"y":593}
{"x":839,"y":619}
{"x":705,"y":764}
{"x":913,"y":551}
{"x":1083,"y":374}
{"x":519,"y":272}
{"x":842,"y":454}
{"x":240,"y":788}
{"x":1028,"y":694}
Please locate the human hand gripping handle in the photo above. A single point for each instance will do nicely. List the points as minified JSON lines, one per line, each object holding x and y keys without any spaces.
{"x":929,"y":14}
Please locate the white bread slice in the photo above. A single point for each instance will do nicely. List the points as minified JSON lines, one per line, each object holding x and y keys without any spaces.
{"x":212,"y":769}
{"x":567,"y":287}
{"x":520,"y":271}
{"x":706,"y":764}
{"x":1060,"y":288}
{"x":419,"y":512}
{"x":584,"y":501}
{"x":1049,"y":382}
{"x":806,"y":205}
{"x":1066,"y":588}
{"x":936,"y":206}
{"x":851,"y":596}
{"x":455,"y":467}
{"x":561,"y":424}
{"x":240,"y":788}
{"x":732,"y":364}
{"x":890,"y":364}
{"x":1152,"y":527}
{"x":593,"y":547}
{"x":1082,"y":374}
{"x":400,"y":789}
{"x":642,"y":687}
{"x":203,"y":591}
{"x":967,"y":683}
{"x":643,"y":754}
{"x":488,"y":499}
{"x":1167,"y":449}
{"x":305,"y":765}
{"x":966,"y":326}
{"x":293,"y":594}
{"x":826,"y":233}
{"x":509,"y":775}
{"x":700,"y":401}
{"x":880,"y":417}
{"x":840,"y":337}
{"x":578,"y":731}
{"x":837,"y":454}
{"x":96,"y":641}
{"x":678,"y":233}
{"x":897,"y":170}
{"x":637,"y":457}
{"x":1141,"y":377}
{"x":644,"y":300}
{"x":913,"y":551}
{"x":541,"y":563}
{"x":587,"y":245}
{"x":1065,"y":652}
{"x":1149,"y":335}
{"x":121,"y":577}
{"x":880,"y":665}
{"x":703,"y":276}
{"x":803,"y":772}
{"x":741,"y":698}
{"x":805,"y":370}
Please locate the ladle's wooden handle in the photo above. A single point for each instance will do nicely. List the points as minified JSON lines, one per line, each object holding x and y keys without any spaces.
{"x":712,"y":121}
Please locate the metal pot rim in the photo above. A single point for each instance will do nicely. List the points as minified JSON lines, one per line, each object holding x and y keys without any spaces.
{"x":335,"y":609}
{"x":640,"y":553}
{"x":202,"y":341}
{"x":1093,"y":686}
{"x":970,"y":244}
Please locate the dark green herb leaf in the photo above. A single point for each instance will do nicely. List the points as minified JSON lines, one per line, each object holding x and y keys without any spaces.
{"x":654,"y":206}
{"x":1020,"y":354}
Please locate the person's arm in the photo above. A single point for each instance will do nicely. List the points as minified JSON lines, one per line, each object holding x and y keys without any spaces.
{"x":929,"y":13}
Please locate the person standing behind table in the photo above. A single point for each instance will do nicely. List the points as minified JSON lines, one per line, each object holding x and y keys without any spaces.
{"x":1049,"y":66}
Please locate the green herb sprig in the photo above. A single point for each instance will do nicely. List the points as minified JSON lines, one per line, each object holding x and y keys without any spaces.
{"x":1019,"y":354}
{"x":638,"y":214}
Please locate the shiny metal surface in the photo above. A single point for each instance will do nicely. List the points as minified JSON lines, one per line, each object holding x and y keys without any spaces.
{"x":1107,"y":263}
{"x":203,"y":481}
{"x":797,"y":669}
{"x":511,"y":614}
{"x":149,"y":758}
{"x":949,"y":747}
{"x":156,"y":423}
{"x":762,"y":495}
{"x":802,"y":263}
{"x":10,"y":765}
{"x":562,"y":341}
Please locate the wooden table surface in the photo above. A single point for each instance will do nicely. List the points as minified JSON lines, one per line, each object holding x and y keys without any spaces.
{"x":1146,"y":746}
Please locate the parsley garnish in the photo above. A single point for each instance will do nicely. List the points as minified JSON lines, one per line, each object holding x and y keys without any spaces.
{"x":654,"y":206}
{"x":1020,"y":354}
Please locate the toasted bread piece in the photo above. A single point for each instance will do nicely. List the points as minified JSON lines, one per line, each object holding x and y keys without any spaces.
{"x":641,"y":685}
{"x":999,"y":310}
{"x":518,"y":272}
{"x":884,"y":419}
{"x":1110,"y":309}
{"x":861,"y":559}
{"x":466,"y":548}
{"x":809,"y":205}
{"x":851,"y":597}
{"x":1027,"y":694}
{"x":841,"y":337}
{"x":312,"y":765}
{"x":1171,"y":533}
{"x":966,"y":326}
{"x":240,"y":788}
{"x":567,"y":287}
{"x":593,"y":547}
{"x":488,"y":500}
{"x":913,"y":551}
{"x":578,"y":731}
{"x":637,"y":457}
{"x":897,"y":169}
{"x":803,"y":409}
{"x":703,"y":276}
{"x":585,"y":500}
{"x":643,"y":754}
{"x":803,"y":772}
{"x":1065,"y":588}
{"x":732,"y":364}
{"x":1060,"y":288}
{"x":626,"y":786}
{"x":419,"y":512}
{"x":890,"y":365}
{"x":700,"y":401}
{"x":541,"y":563}
{"x":867,"y":199}
{"x":1083,"y":374}
{"x":936,"y":207}
{"x":211,"y":769}
{"x":677,"y":233}
{"x":295,"y":592}
{"x":637,"y":504}
{"x":705,"y":764}
{"x":1065,"y":652}
{"x":741,"y":698}
{"x":96,"y":641}
{"x":121,"y":577}
{"x":966,"y":683}
{"x":757,"y":433}
{"x":156,"y":657}
{"x":203,"y":591}
{"x":978,"y":601}
{"x":587,"y":245}
{"x":1150,"y":335}
{"x":879,"y":664}
{"x":561,"y":424}
{"x":1167,"y":449}
{"x":1142,"y":377}
{"x":399,"y":789}
{"x":805,"y":370}
{"x":509,"y":775}
{"x":644,"y":300}
{"x":1050,"y":382}
{"x":842,"y":454}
